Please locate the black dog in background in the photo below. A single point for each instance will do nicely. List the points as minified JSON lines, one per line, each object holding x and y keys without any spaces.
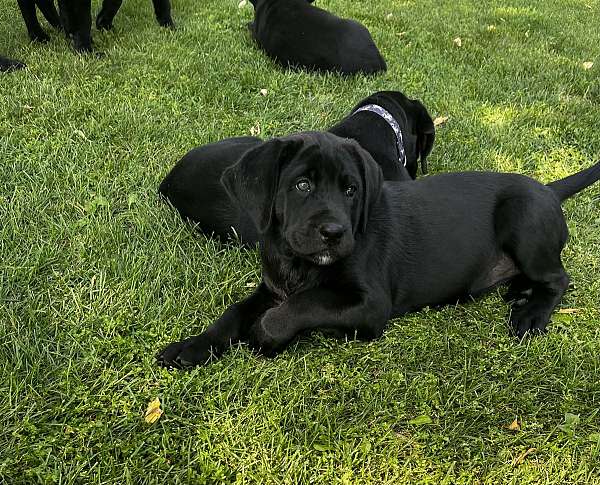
{"x":343,"y":251}
{"x":193,"y":186}
{"x":7,"y":64}
{"x":297,"y":34}
{"x":76,"y":18}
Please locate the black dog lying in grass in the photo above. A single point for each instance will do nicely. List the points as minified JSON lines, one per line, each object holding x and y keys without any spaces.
{"x":76,"y":18}
{"x":193,"y":186}
{"x":7,"y":64}
{"x":344,"y":251}
{"x":297,"y":34}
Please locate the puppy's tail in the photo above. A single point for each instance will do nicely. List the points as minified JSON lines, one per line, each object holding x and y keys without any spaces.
{"x":569,"y":186}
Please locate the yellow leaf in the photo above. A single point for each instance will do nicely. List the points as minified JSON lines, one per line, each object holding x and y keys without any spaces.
{"x":458,"y":42}
{"x":255,"y":130}
{"x":569,"y":310}
{"x":514,"y":426}
{"x":588,"y":65}
{"x":440,"y":120}
{"x":521,"y":458}
{"x":491,"y":28}
{"x":153,"y":412}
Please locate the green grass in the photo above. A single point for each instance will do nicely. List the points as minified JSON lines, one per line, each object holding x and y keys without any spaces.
{"x":97,"y":275}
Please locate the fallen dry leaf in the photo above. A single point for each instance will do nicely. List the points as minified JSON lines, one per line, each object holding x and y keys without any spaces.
{"x":569,"y":310}
{"x":263,"y":92}
{"x":439,"y":121}
{"x":242,"y":4}
{"x":521,"y":458}
{"x":588,"y":65}
{"x":153,"y":412}
{"x":514,"y":426}
{"x":255,"y":130}
{"x":458,"y":42}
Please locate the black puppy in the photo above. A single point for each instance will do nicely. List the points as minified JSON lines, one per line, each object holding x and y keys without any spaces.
{"x":76,"y":18}
{"x":344,"y":251}
{"x":395,"y":130}
{"x":297,"y":34}
{"x":7,"y":64}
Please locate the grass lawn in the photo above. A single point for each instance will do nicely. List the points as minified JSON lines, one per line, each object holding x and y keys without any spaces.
{"x":97,"y":275}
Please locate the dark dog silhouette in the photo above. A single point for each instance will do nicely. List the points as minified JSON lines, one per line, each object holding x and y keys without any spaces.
{"x":298,"y":34}
{"x":75,"y":18}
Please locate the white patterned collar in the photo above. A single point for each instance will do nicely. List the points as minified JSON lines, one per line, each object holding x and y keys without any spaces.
{"x":386,"y":115}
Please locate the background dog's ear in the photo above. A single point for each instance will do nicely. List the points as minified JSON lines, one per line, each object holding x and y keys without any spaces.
{"x":254,"y":179}
{"x":425,"y":134}
{"x":372,"y":183}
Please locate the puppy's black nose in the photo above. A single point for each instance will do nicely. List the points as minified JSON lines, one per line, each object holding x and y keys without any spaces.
{"x":331,"y":232}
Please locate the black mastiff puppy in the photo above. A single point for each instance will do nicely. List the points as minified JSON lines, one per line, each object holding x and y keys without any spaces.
{"x":297,"y":34}
{"x":7,"y":64}
{"x":344,"y":251}
{"x":76,"y":18}
{"x":395,"y":130}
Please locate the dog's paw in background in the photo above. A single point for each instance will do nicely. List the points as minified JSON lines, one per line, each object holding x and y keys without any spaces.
{"x":191,"y":352}
{"x":7,"y":64}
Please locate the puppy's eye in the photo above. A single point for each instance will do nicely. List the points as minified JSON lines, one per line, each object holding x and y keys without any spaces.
{"x":303,"y":185}
{"x":350,"y":191}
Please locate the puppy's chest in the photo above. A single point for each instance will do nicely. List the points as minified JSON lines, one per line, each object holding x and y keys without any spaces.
{"x":288,"y":278}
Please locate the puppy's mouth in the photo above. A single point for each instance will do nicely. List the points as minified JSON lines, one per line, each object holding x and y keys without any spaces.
{"x":323,"y":258}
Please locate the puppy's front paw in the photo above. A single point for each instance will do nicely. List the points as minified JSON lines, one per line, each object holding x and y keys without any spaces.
{"x":262,"y":341}
{"x":524,"y":321}
{"x":191,"y":352}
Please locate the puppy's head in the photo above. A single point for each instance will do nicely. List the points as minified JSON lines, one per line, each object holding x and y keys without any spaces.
{"x":312,"y":192}
{"x":419,"y":129}
{"x":421,"y":126}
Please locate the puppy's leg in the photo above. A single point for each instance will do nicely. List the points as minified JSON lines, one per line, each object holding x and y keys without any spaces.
{"x":316,"y":309}
{"x":34,"y":29}
{"x":230,"y":328}
{"x":107,"y":14}
{"x":538,"y":239}
{"x":519,"y":290}
{"x":162,"y":10}
{"x":49,"y":11}
{"x":76,"y":18}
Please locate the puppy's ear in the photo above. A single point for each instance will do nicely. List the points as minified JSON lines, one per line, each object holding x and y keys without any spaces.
{"x":425,"y":134}
{"x":254,"y":179}
{"x":372,"y":178}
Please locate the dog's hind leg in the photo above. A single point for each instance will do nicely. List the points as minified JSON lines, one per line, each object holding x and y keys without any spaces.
{"x":519,"y":290}
{"x":535,"y":236}
{"x":162,"y":10}
{"x":49,"y":11}
{"x":107,"y":14}
{"x":34,"y":29}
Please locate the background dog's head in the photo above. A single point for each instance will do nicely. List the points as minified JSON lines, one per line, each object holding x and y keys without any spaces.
{"x":314,"y":190}
{"x":418,"y":127}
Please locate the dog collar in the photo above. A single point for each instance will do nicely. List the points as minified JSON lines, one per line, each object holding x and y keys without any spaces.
{"x":386,"y":115}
